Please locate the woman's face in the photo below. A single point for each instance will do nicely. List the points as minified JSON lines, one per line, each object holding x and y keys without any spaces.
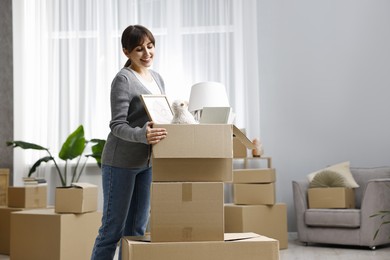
{"x":142,"y":55}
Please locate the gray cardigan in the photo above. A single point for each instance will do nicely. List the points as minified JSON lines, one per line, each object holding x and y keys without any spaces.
{"x":126,"y":145}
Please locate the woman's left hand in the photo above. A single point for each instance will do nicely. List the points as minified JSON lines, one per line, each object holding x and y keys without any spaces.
{"x":155,"y":135}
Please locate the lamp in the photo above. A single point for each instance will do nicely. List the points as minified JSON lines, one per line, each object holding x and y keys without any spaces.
{"x":207,"y":94}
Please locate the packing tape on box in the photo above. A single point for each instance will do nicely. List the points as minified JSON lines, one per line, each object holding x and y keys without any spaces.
{"x":186,"y":192}
{"x":187,"y":233}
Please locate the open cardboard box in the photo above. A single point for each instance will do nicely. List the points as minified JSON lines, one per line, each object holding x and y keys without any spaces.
{"x":199,"y":141}
{"x":242,"y":246}
{"x":197,"y":152}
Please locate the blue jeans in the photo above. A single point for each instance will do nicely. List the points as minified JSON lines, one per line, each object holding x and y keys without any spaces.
{"x":126,"y":195}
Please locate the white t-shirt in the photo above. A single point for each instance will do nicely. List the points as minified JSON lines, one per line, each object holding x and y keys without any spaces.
{"x":150,"y":85}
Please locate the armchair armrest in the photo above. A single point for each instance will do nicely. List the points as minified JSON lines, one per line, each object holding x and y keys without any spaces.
{"x":300,"y":205}
{"x":376,"y":197}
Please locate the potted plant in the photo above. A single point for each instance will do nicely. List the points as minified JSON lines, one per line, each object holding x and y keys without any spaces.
{"x":72,"y":148}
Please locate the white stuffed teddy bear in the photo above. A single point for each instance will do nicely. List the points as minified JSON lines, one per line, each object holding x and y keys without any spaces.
{"x":181,"y":115}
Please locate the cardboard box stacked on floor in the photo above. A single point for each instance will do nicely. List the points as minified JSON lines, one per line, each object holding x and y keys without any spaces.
{"x":65,"y":231}
{"x":255,"y":208}
{"x":17,"y":199}
{"x":190,"y":167}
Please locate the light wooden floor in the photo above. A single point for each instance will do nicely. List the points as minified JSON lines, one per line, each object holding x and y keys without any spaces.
{"x":297,"y":251}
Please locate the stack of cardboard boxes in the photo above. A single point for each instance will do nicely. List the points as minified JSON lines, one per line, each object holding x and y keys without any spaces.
{"x":66,"y":231}
{"x":190,"y":167}
{"x":19,"y":199}
{"x":255,"y":208}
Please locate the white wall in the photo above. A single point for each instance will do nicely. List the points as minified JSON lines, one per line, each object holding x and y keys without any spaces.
{"x":324,"y":86}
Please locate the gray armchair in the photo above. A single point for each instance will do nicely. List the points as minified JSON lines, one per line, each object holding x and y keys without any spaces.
{"x":347,"y":226}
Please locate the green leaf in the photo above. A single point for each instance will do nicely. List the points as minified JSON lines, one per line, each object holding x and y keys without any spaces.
{"x":25,"y":145}
{"x":376,"y":234}
{"x":37,"y":163}
{"x":97,"y":150}
{"x":74,"y":145}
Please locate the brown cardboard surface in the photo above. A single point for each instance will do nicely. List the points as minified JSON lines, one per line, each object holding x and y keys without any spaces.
{"x":270,"y":221}
{"x":4,"y":183}
{"x":44,"y":234}
{"x":265,"y":175}
{"x":236,"y":248}
{"x":337,"y":198}
{"x":27,"y":196}
{"x":78,"y":198}
{"x":242,"y":137}
{"x":252,"y":163}
{"x":5,"y":228}
{"x":254,"y":193}
{"x":239,"y":149}
{"x":195,"y":141}
{"x":192,"y":170}
{"x":184,"y":211}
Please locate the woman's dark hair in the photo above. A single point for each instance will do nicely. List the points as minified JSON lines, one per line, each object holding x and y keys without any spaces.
{"x":133,"y":36}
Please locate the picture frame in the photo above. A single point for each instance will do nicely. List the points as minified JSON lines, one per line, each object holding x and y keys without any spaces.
{"x":158,"y":108}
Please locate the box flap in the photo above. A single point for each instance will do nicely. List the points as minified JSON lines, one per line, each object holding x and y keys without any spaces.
{"x":227,"y":237}
{"x":83,"y":185}
{"x":239,"y":236}
{"x":242,"y":137}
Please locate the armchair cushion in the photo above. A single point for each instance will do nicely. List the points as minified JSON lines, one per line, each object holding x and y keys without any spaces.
{"x":341,"y":168}
{"x":346,"y":218}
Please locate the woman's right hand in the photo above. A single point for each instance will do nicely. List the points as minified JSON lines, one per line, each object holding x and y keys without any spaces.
{"x":155,"y":135}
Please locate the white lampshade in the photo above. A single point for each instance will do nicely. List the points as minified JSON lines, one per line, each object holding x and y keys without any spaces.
{"x":207,"y":94}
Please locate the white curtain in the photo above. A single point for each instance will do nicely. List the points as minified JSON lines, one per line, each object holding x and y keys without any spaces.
{"x":66,"y":53}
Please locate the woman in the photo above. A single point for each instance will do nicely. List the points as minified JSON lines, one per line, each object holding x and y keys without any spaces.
{"x":126,"y":168}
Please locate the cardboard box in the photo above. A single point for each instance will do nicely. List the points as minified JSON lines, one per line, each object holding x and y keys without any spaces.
{"x":246,"y":246}
{"x":270,"y":221}
{"x":192,"y":170}
{"x":252,"y":163}
{"x":4,"y":183}
{"x":201,"y":152}
{"x":78,"y":198}
{"x":187,"y":212}
{"x":27,"y":197}
{"x":265,"y":175}
{"x":254,"y":194}
{"x":5,"y":228}
{"x":44,"y":234}
{"x":331,"y":198}
{"x":195,"y":141}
